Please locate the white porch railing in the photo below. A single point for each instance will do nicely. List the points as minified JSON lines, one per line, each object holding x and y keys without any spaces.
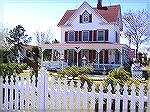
{"x":53,"y":65}
{"x":24,"y":95}
{"x":98,"y":66}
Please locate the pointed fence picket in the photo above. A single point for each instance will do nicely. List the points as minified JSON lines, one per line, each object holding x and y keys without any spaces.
{"x":19,"y":93}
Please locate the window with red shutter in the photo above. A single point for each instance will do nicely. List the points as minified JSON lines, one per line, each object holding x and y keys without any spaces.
{"x":106,"y":35}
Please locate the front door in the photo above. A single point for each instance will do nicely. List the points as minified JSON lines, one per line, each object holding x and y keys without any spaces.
{"x":70,"y":57}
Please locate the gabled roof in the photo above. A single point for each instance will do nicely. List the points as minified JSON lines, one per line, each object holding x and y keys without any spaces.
{"x":109,"y":13}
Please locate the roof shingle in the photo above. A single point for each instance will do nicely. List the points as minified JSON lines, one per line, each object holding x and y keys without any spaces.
{"x":109,"y":13}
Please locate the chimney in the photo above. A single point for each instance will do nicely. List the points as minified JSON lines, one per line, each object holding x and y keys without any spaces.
{"x":99,"y":4}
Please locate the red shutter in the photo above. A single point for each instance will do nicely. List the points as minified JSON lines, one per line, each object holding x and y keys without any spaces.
{"x":75,"y":57}
{"x":76,"y":36}
{"x":90,"y":55}
{"x":95,"y":35}
{"x":90,"y":35}
{"x":65,"y":55}
{"x":94,"y":55}
{"x":106,"y":35}
{"x":80,"y":35}
{"x":66,"y":36}
{"x":80,"y":18}
{"x":90,"y":18}
{"x":116,"y":37}
{"x":106,"y":57}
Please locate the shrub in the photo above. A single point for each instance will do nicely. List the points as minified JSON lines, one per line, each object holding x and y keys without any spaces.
{"x":74,"y":71}
{"x":11,"y":68}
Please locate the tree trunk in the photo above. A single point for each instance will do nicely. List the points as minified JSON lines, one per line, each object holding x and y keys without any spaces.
{"x":137,"y":48}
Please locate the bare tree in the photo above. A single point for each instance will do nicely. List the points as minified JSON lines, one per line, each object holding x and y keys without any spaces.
{"x":43,"y":36}
{"x":136,"y":27}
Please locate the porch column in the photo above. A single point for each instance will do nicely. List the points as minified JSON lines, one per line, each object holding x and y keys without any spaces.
{"x":121,"y":57}
{"x":98,"y":51}
{"x":42,"y":55}
{"x":52,"y":55}
{"x":77,"y":49}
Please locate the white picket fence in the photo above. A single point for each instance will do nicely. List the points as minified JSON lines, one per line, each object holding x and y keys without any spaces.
{"x":52,"y":95}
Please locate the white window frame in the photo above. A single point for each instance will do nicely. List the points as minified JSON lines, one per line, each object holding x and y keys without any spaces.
{"x":88,"y":36}
{"x":103,"y":36}
{"x":85,"y":13}
{"x":69,"y":37}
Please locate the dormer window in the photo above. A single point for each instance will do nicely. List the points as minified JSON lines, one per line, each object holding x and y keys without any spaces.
{"x":86,"y":17}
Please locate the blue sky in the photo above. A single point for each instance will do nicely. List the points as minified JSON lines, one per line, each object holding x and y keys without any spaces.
{"x":45,"y":14}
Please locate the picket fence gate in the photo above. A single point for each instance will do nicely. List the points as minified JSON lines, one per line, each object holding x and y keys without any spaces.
{"x":23,"y":94}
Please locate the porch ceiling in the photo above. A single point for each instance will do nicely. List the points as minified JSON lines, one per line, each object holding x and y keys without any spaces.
{"x":64,"y":46}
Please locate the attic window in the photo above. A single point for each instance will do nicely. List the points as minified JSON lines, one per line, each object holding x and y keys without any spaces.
{"x":85,"y":17}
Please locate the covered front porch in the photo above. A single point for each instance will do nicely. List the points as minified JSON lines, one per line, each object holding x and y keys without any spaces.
{"x":98,"y":55}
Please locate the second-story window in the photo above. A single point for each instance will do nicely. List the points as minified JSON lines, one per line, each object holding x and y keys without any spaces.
{"x":85,"y":36}
{"x":71,"y":36}
{"x":100,"y":35}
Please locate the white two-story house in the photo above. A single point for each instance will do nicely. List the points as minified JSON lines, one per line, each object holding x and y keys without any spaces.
{"x":93,"y":33}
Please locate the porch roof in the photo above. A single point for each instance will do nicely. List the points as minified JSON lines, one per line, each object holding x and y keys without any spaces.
{"x":91,"y":45}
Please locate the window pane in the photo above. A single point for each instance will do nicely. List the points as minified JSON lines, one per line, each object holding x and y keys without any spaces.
{"x":85,"y":36}
{"x":100,"y":36}
{"x":85,"y":16}
{"x":71,"y":36}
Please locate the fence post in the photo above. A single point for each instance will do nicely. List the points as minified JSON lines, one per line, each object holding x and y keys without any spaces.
{"x":1,"y":93}
{"x":148,"y":98}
